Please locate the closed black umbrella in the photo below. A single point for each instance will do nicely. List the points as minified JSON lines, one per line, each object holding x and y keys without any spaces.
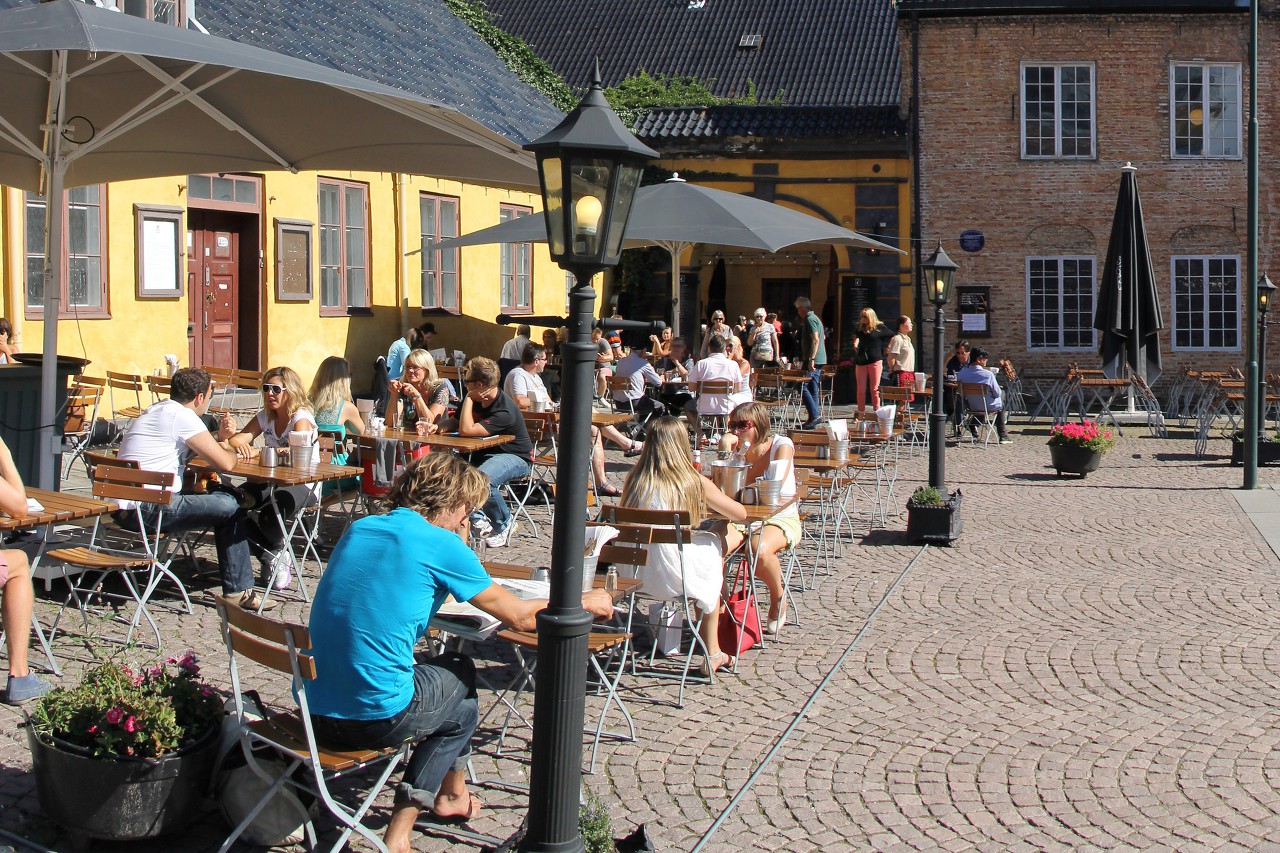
{"x":1128,"y":312}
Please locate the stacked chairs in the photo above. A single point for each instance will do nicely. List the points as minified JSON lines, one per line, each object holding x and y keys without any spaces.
{"x":1015,"y":401}
{"x":1143,"y":397}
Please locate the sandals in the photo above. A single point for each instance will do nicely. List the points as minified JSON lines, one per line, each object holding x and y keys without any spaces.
{"x":608,"y":491}
{"x":473,"y":809}
{"x":632,"y":451}
{"x":722,"y":661}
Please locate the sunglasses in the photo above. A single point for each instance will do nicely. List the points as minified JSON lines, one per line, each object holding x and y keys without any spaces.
{"x":738,"y":426}
{"x":272,"y":389}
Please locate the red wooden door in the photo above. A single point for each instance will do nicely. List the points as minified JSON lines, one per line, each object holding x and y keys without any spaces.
{"x":213,"y":276}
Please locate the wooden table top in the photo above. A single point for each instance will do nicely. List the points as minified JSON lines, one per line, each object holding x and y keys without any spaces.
{"x":459,"y":443}
{"x":517,"y":572}
{"x":826,"y":464}
{"x":1104,"y":383}
{"x":282,"y":475}
{"x":764,"y":512}
{"x":603,"y":419}
{"x":58,"y":506}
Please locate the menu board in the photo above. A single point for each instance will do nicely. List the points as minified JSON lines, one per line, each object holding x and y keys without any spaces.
{"x":975,"y":310}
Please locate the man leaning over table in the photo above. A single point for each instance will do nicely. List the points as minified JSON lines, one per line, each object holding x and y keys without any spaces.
{"x":976,"y":373}
{"x":487,"y":411}
{"x":164,"y":438}
{"x":15,"y":578}
{"x":387,"y":577}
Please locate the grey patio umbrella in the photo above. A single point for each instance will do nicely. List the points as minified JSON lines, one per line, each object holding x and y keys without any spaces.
{"x":89,"y":95}
{"x":676,"y":214}
{"x":1128,"y":313}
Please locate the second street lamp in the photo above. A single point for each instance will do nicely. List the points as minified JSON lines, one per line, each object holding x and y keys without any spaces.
{"x":938,"y":271}
{"x":589,"y":167}
{"x":1266,"y":291}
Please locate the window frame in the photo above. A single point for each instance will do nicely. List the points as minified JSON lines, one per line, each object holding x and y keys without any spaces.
{"x":1204,"y":106}
{"x":65,"y":309}
{"x":1174,"y":327}
{"x":295,"y":226}
{"x":1091,"y":291}
{"x":1057,"y":110}
{"x":145,"y":244}
{"x":509,"y":256}
{"x":345,"y":308}
{"x":438,"y":256}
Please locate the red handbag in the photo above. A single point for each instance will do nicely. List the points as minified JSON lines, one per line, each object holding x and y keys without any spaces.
{"x":740,"y":623}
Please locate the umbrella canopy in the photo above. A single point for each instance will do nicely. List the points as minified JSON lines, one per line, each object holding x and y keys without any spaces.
{"x":676,"y":214}
{"x":1128,"y":312}
{"x":89,"y":95}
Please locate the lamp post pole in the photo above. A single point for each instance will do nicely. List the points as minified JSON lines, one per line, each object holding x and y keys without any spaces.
{"x":1266,"y":290}
{"x":1253,"y":408}
{"x":938,"y":271}
{"x":589,"y":169}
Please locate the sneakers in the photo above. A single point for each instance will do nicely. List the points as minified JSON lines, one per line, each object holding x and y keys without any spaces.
{"x":251,"y":600}
{"x":813,"y":424}
{"x":281,"y":569}
{"x":24,"y":688}
{"x":481,"y":527}
{"x":501,"y":540}
{"x":1004,"y":439}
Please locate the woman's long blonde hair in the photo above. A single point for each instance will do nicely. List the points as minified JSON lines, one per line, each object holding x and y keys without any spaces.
{"x":295,"y":394}
{"x":331,"y":389}
{"x":664,"y":476}
{"x":868,"y":320}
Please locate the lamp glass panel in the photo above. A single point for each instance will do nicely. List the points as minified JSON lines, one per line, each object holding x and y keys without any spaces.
{"x":553,"y":197}
{"x":623,"y":195}
{"x":589,"y":187}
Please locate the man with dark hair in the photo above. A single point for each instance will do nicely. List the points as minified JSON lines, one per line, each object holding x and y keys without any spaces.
{"x":636,"y":368}
{"x":524,"y":384}
{"x":813,"y":355}
{"x":164,"y":438}
{"x":487,"y":411}
{"x":991,"y":400}
{"x":676,"y":366}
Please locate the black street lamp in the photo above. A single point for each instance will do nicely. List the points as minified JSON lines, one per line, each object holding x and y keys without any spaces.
{"x":589,"y":167}
{"x":938,"y":270}
{"x":1266,"y":290}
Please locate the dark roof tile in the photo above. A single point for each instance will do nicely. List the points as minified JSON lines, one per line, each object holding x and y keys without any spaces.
{"x":771,"y":123}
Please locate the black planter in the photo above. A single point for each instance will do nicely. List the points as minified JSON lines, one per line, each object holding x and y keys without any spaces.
{"x":842,"y":389}
{"x":1067,"y":459}
{"x":1268,"y":452}
{"x":936,"y":523}
{"x":121,"y":799}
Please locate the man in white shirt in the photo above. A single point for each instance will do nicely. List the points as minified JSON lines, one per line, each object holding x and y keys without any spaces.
{"x":635,"y":366}
{"x":524,"y":384}
{"x":512,"y":351}
{"x":164,"y":438}
{"x":715,"y":367}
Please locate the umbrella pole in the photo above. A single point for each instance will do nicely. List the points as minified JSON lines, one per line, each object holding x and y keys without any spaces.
{"x":54,"y":206}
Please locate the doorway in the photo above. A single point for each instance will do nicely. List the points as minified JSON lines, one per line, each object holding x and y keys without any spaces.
{"x":222,"y":289}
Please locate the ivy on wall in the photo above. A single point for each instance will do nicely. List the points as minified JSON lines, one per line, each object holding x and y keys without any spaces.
{"x":515,"y":52}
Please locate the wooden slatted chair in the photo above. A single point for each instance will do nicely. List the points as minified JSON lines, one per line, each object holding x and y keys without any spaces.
{"x":279,"y":646}
{"x":717,"y":423}
{"x":77,"y":429}
{"x":160,"y":387}
{"x":151,"y":554}
{"x":129,"y":385}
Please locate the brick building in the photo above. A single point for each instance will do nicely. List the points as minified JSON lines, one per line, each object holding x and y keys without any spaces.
{"x":1024,"y":114}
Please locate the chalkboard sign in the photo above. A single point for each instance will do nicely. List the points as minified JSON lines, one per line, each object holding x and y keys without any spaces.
{"x":293,"y":260}
{"x":975,"y":310}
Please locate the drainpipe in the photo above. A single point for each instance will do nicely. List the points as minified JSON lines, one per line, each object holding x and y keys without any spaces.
{"x":15,"y":262}
{"x":402,"y":262}
{"x":915,"y":169}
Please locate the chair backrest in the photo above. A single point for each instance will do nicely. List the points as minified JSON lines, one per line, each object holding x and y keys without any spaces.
{"x":132,"y":484}
{"x":248,"y":380}
{"x":714,"y":387}
{"x":974,"y":391}
{"x":82,"y":409}
{"x":125,"y":382}
{"x":161,"y":387}
{"x":895,"y":393}
{"x":647,"y":526}
{"x":266,"y":641}
{"x":94,"y":458}
{"x":810,"y":438}
{"x":83,"y":381}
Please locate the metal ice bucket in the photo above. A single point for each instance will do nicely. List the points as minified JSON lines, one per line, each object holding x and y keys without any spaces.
{"x":729,"y":476}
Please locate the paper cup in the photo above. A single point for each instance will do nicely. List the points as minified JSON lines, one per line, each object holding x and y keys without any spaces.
{"x":589,"y":573}
{"x":365,"y":408}
{"x":886,"y":426}
{"x":921,"y":380}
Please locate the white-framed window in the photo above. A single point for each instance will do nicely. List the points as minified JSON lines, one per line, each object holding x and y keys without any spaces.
{"x":1060,"y":303}
{"x":1205,"y":115}
{"x":1057,"y":110}
{"x":516,"y":273}
{"x":344,"y":247}
{"x":1206,"y":302}
{"x":439,"y":215}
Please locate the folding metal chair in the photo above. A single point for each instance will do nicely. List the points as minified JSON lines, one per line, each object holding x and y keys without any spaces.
{"x":978,"y":418}
{"x":129,"y":385}
{"x":82,"y":412}
{"x":519,"y":490}
{"x":714,"y":389}
{"x":277,"y":646}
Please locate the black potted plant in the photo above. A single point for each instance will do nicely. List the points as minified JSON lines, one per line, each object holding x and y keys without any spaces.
{"x":933,"y":516}
{"x":126,"y":755}
{"x":1268,"y":448}
{"x":1078,"y":448}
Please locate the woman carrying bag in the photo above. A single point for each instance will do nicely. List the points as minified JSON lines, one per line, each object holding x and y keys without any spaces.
{"x":900,"y":356}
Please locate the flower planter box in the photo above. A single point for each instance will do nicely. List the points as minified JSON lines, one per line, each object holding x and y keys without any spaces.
{"x":1268,"y":452}
{"x":1067,"y":459}
{"x":842,"y":390}
{"x":936,"y":523}
{"x":121,"y":799}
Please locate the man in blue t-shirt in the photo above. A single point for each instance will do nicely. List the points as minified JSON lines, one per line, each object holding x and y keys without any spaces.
{"x":386,"y":579}
{"x":813,"y":354}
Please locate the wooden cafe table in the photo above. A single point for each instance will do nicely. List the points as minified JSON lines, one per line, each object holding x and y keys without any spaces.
{"x":57,"y":508}
{"x":445,"y":441}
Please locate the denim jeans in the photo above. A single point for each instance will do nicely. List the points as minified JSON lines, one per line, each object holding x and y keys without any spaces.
{"x":218,"y":510}
{"x":502,"y":468}
{"x":441,"y":717}
{"x":809,"y":392}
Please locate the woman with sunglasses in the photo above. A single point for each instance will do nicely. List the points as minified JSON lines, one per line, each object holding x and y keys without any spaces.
{"x":285,"y":410}
{"x":664,"y":479}
{"x":421,"y":395}
{"x":749,"y":429}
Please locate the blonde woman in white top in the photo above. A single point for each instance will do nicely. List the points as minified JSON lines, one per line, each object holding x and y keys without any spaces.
{"x":900,"y":355}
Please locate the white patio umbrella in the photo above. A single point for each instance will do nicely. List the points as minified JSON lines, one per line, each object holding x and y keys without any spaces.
{"x":676,"y":215}
{"x":89,"y":95}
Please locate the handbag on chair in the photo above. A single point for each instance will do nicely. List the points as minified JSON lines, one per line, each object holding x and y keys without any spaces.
{"x":739,"y":628}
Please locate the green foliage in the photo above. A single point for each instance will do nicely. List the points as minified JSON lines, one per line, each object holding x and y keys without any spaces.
{"x":927,"y":496}
{"x":114,"y":712}
{"x":594,"y":825}
{"x":515,"y":52}
{"x":642,"y":91}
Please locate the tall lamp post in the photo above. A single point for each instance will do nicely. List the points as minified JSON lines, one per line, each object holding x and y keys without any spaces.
{"x":1266,"y":290}
{"x":938,"y":270}
{"x":589,"y":167}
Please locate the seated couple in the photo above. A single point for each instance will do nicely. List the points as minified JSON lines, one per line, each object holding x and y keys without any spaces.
{"x":387,"y":577}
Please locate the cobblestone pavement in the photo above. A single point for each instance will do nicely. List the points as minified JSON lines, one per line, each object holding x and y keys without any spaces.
{"x":1094,"y":665}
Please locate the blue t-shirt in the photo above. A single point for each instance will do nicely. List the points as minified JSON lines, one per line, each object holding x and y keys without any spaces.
{"x":387,"y":577}
{"x":396,"y":355}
